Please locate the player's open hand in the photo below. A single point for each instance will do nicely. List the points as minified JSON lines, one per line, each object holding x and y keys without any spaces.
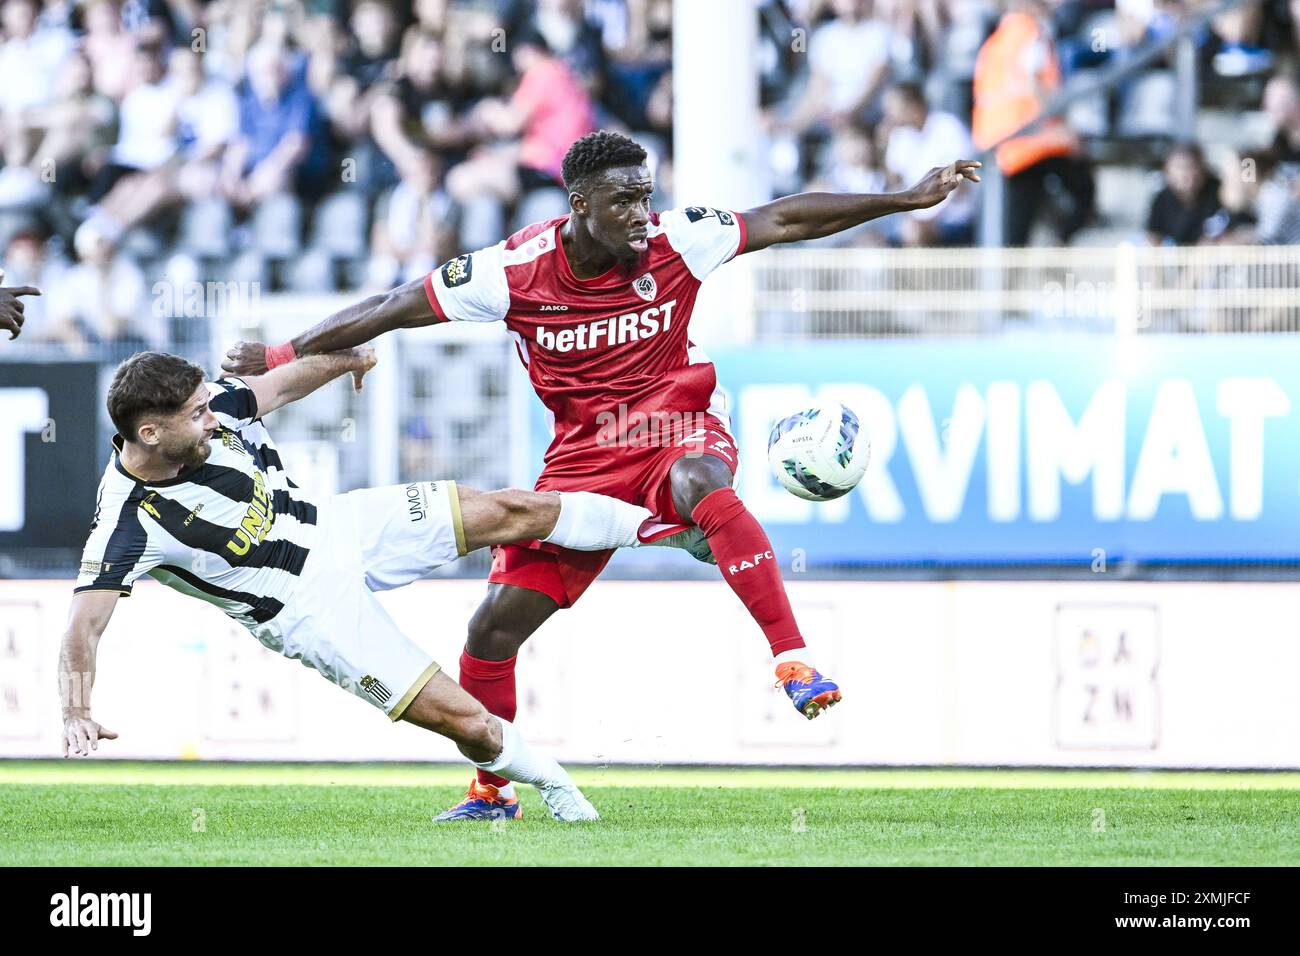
{"x":366,"y":360}
{"x":246,"y":358}
{"x":11,"y":306}
{"x":81,"y":735}
{"x":942,"y":180}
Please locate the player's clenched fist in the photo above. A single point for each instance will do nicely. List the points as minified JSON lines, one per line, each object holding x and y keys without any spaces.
{"x":11,"y":306}
{"x":366,"y":360}
{"x":246,"y":358}
{"x":81,"y":735}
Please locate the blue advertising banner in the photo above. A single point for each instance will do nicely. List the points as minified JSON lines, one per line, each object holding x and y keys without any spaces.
{"x":1068,"y":449}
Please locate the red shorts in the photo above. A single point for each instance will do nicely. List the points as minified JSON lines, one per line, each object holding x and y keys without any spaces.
{"x":637,"y":475}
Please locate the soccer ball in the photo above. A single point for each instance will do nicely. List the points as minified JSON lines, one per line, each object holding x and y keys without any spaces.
{"x":819,"y":454}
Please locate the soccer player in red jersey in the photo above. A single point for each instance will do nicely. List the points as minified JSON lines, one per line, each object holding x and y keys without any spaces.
{"x":599,"y":303}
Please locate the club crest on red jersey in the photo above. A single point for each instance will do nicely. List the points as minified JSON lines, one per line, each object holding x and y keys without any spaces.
{"x":645,"y":287}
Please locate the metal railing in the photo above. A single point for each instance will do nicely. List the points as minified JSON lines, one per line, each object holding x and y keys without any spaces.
{"x":854,"y":293}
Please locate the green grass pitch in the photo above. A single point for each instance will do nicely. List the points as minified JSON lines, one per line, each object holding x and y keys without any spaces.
{"x":112,"y":813}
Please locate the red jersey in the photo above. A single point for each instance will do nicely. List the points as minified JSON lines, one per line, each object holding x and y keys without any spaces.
{"x":606,"y":351}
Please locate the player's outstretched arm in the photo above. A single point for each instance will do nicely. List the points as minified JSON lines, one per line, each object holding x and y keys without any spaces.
{"x":288,"y":383}
{"x":814,"y":215}
{"x":406,"y":307}
{"x":87,"y":619}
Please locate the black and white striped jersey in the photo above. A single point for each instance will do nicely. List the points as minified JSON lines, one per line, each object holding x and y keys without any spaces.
{"x":234,"y":531}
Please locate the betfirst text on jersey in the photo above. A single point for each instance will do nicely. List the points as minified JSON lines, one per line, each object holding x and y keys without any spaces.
{"x":614,"y":330}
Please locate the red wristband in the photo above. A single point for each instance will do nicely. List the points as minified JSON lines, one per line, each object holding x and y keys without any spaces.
{"x":279,"y":355}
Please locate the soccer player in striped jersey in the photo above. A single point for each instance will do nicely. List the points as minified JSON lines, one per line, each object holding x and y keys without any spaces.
{"x":196,"y":496}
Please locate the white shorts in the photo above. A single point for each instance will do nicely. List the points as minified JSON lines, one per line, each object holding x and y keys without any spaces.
{"x":369,"y":540}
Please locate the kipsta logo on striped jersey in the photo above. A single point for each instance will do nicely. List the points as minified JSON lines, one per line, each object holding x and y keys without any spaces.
{"x":376,"y":689}
{"x":645,"y":287}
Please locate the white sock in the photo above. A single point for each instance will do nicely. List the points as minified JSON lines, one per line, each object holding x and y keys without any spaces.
{"x":799,"y":655}
{"x":520,"y":763}
{"x":591,"y":522}
{"x":507,"y":792}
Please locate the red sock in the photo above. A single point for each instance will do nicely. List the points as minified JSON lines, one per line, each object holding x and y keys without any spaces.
{"x":492,"y":684}
{"x":748,"y":564}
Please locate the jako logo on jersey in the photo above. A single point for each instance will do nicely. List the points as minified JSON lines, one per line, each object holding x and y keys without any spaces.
{"x":645,"y":287}
{"x":257,"y":521}
{"x":553,"y":308}
{"x":746,"y":564}
{"x":615,"y":330}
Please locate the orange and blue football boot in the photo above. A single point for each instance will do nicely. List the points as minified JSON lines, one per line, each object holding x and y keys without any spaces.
{"x":483,"y":802}
{"x":810,"y":692}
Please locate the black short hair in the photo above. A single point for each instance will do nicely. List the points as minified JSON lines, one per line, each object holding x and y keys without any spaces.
{"x":150,"y":383}
{"x":595,"y":153}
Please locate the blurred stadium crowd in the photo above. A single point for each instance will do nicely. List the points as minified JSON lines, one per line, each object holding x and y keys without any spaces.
{"x":317,"y":145}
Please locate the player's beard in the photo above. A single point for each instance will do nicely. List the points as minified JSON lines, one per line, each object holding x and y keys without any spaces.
{"x":189,"y":456}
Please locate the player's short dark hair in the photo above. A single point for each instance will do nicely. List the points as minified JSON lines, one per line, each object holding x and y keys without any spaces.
{"x":150,"y":383}
{"x":595,"y":153}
